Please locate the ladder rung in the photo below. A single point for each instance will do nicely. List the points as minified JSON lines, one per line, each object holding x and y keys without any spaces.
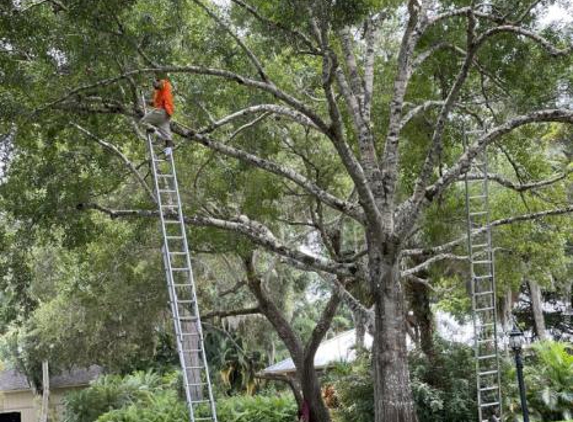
{"x":482,"y":277}
{"x":172,"y":221}
{"x":178,"y":253}
{"x":487,"y":373}
{"x":481,"y":245}
{"x":165,"y":175}
{"x":495,"y":387}
{"x":169,"y":206}
{"x":200,"y":401}
{"x":481,"y":262}
{"x":478,"y":213}
{"x":490,"y":292}
{"x":186,"y":301}
{"x":158,"y":160}
{"x":495,"y":403}
{"x":477,"y":197}
{"x":194,"y":367}
{"x":192,"y":351}
{"x":485,"y":309}
{"x":487,"y":357}
{"x":183,"y":285}
{"x":203,"y":419}
{"x":174,"y":237}
{"x":489,"y":340}
{"x":167,"y":191}
{"x":488,"y":324}
{"x":188,"y":318}
{"x":179,"y":269}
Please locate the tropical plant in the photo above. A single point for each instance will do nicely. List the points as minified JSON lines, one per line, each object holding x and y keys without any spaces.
{"x":549,"y":384}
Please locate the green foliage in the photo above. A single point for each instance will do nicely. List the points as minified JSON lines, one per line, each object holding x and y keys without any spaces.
{"x":549,"y":384}
{"x":443,"y":389}
{"x":113,"y":392}
{"x":148,"y":397}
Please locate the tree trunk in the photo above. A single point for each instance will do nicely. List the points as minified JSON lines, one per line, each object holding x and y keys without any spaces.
{"x":420,"y":301}
{"x":393,"y":401}
{"x":312,"y":392}
{"x":537,"y":309}
{"x":360,"y":329}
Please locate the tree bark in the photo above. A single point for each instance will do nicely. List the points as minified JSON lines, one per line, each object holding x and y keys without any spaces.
{"x":393,"y":401}
{"x":420,"y":302}
{"x":537,"y":309}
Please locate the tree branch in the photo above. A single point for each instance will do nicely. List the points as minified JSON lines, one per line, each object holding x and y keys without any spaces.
{"x":126,"y":161}
{"x":340,"y":205}
{"x":295,"y":33}
{"x":261,"y":108}
{"x":231,"y":313}
{"x":521,"y":187}
{"x":252,"y":57}
{"x":241,"y":224}
{"x":501,"y":222}
{"x":322,"y":326}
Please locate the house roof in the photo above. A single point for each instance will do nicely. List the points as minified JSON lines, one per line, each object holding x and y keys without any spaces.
{"x":12,"y":380}
{"x":340,"y":348}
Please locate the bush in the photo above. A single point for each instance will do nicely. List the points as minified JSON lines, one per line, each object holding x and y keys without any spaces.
{"x":111,"y":392}
{"x":148,"y":397}
{"x":443,"y":390}
{"x":549,"y":384}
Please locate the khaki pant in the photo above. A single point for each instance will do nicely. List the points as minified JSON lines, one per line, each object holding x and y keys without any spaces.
{"x":159,"y":119}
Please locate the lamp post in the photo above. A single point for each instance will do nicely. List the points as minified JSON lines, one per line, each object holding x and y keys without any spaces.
{"x":516,"y":339}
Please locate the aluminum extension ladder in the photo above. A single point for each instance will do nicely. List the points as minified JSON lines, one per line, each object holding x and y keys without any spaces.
{"x":484,"y":309}
{"x":181,"y":286}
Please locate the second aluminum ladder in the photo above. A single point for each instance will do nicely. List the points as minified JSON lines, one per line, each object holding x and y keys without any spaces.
{"x":483,"y":291}
{"x":181,"y":286}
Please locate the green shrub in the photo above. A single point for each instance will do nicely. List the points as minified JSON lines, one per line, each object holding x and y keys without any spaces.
{"x":148,"y":397}
{"x":548,"y":381}
{"x":111,"y":392}
{"x":257,"y":409}
{"x":444,"y":390}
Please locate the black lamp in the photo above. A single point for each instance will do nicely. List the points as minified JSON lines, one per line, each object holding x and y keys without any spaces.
{"x":516,"y":340}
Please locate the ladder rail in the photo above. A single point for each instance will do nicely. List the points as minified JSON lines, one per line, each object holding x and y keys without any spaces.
{"x":193,"y":289}
{"x":173,"y":294}
{"x":482,"y":270}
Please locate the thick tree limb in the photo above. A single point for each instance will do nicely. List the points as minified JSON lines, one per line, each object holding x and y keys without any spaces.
{"x":201,"y":70}
{"x":231,"y":313}
{"x":275,"y":168}
{"x":437,"y":258}
{"x":322,"y":326}
{"x":416,"y":21}
{"x":294,"y":115}
{"x":269,"y":309}
{"x":464,"y":162}
{"x":241,"y":224}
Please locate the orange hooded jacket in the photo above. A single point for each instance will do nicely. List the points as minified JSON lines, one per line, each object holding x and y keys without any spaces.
{"x":163,"y":98}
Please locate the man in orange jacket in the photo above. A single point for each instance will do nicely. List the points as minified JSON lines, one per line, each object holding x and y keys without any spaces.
{"x":160,"y":116}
